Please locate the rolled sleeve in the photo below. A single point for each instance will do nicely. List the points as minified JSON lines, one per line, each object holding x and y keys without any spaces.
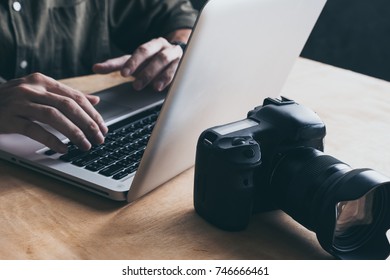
{"x":135,"y":22}
{"x":180,"y":15}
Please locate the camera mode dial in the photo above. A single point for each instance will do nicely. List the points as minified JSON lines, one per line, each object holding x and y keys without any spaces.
{"x":248,"y":151}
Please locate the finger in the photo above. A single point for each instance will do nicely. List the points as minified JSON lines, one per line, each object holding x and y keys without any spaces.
{"x":70,"y":110}
{"x":33,"y":102}
{"x":110,"y":65}
{"x":142,"y":54}
{"x":156,"y":66}
{"x":93,"y":99}
{"x":37,"y":133}
{"x":12,"y":83}
{"x":56,"y":119}
{"x":166,"y":76}
{"x":43,"y":106}
{"x":64,"y":90}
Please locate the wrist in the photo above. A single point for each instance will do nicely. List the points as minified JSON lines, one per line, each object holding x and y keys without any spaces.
{"x":181,"y":44}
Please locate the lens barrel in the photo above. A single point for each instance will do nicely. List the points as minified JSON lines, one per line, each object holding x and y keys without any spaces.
{"x":348,"y":209}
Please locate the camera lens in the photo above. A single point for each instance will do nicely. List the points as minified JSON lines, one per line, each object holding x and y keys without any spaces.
{"x":347,"y":208}
{"x":358,"y":219}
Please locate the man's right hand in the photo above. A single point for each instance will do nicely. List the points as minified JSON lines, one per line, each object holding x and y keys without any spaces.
{"x":36,"y":97}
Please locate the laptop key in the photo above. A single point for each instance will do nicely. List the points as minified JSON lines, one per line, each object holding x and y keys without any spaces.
{"x":126,"y":161}
{"x":106,"y":161}
{"x":118,"y":155}
{"x":122,"y":174}
{"x":72,"y":155}
{"x":122,"y":151}
{"x":50,"y":152}
{"x":83,"y":161}
{"x":95,"y":166}
{"x":111,"y":170}
{"x":126,"y":172}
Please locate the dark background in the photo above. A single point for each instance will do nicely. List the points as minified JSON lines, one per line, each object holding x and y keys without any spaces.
{"x":351,"y":34}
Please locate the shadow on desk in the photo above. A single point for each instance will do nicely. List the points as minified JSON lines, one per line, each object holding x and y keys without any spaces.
{"x":268,"y":236}
{"x":43,"y":218}
{"x":178,"y":232}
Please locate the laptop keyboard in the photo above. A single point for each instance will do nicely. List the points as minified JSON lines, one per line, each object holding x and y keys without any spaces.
{"x":122,"y":150}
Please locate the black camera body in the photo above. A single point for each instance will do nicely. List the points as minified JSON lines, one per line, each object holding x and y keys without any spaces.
{"x":274,"y":159}
{"x":235,"y":162}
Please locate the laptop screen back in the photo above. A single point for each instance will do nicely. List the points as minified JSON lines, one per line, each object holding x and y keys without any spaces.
{"x":240,"y":52}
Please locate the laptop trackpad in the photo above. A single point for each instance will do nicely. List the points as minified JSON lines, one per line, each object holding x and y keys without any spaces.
{"x":123,"y":99}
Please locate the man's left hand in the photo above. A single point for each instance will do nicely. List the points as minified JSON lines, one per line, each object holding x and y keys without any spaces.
{"x":154,"y":63}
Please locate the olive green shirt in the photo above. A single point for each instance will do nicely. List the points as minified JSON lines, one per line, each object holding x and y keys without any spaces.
{"x":64,"y":38}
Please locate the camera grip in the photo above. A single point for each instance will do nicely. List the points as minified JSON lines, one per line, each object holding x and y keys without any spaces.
{"x":223,"y":186}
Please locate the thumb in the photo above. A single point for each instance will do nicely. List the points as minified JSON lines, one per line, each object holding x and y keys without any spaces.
{"x":93,"y":99}
{"x":110,"y":65}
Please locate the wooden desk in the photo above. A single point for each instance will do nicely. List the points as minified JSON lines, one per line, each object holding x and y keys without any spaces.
{"x":42,"y":218}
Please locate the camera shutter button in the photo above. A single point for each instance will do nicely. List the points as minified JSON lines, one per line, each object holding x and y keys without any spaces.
{"x":238,"y":141}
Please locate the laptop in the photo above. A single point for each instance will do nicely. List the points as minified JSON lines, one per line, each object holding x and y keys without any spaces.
{"x":239,"y":53}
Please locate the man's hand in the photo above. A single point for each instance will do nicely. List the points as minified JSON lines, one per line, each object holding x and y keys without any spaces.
{"x":39,"y":98}
{"x":154,"y":62}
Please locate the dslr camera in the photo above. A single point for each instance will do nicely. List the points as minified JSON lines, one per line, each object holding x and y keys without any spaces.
{"x":274,"y":159}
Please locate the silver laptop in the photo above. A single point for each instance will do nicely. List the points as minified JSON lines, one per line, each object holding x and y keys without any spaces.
{"x":240,"y":52}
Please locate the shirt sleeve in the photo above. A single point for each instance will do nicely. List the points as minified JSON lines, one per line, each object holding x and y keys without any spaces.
{"x":135,"y":22}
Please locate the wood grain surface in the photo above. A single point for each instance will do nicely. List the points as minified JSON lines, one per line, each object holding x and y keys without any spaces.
{"x":42,"y":218}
